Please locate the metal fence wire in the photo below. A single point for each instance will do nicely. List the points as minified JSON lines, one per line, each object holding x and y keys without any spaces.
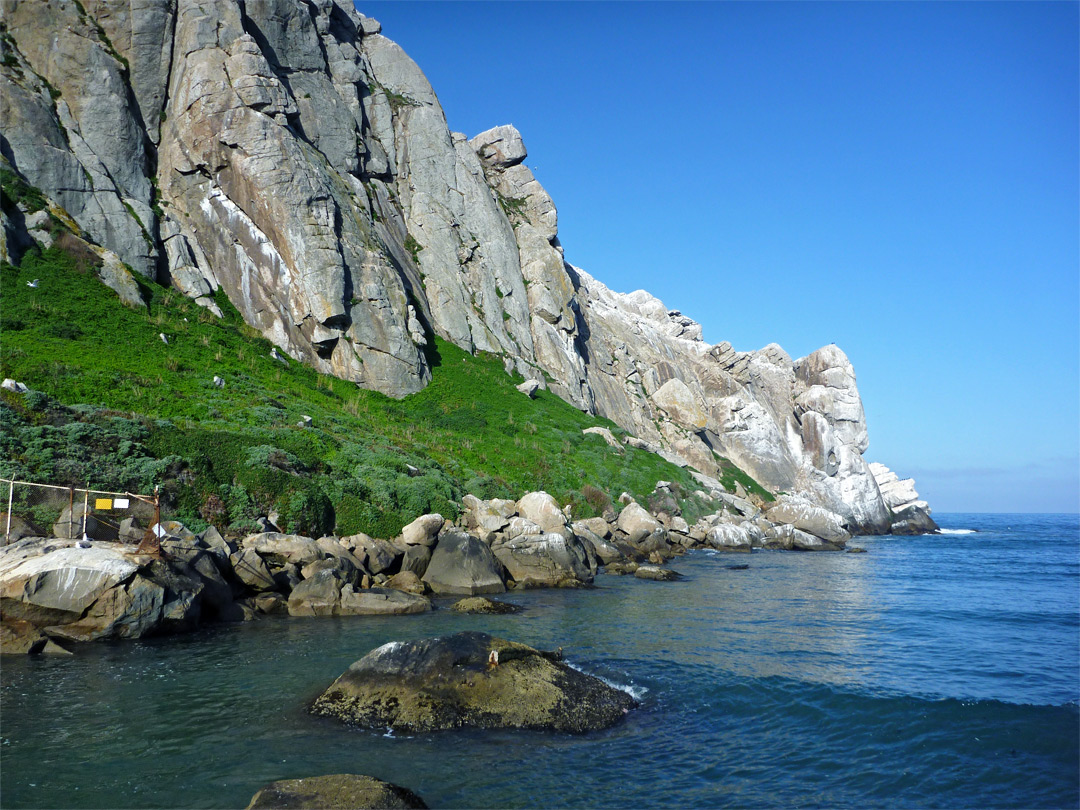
{"x":47,"y":510}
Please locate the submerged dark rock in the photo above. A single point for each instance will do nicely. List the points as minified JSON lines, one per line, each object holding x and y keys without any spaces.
{"x":452,"y":682}
{"x":481,"y":604}
{"x":342,"y":791}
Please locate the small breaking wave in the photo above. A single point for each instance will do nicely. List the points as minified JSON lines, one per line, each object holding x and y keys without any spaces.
{"x":634,"y":691}
{"x":958,"y":531}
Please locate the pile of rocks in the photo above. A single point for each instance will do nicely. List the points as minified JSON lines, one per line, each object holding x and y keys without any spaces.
{"x":55,"y":590}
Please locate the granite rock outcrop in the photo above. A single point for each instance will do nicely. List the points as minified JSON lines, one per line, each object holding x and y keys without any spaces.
{"x":288,"y":155}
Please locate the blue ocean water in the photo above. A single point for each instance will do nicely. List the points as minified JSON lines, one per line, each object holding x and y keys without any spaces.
{"x":938,"y":671}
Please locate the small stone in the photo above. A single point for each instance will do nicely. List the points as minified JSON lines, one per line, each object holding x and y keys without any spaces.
{"x":529,"y":388}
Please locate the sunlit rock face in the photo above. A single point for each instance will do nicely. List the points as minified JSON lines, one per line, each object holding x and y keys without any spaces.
{"x":289,"y":155}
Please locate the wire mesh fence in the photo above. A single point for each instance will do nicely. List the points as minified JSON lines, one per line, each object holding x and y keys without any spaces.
{"x":47,"y":510}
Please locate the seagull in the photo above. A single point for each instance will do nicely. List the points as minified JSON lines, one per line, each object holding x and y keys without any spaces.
{"x":33,"y":283}
{"x":164,"y":339}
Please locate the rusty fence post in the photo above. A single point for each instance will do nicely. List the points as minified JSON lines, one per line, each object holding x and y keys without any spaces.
{"x":10,"y":498}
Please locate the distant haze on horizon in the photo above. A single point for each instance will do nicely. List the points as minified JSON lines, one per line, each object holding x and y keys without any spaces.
{"x":901,"y":179}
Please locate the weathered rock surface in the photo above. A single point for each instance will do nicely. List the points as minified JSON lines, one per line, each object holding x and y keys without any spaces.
{"x":545,"y":560}
{"x":909,"y":514}
{"x":343,"y":791}
{"x":445,"y":683}
{"x":290,"y":155}
{"x":461,"y":564}
{"x":480,"y":604}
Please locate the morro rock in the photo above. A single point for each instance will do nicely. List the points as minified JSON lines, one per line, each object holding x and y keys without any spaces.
{"x":470,"y":680}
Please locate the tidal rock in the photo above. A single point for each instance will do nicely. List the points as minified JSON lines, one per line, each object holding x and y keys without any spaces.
{"x":789,"y":538}
{"x":604,"y":551}
{"x":728,"y":537}
{"x":545,"y":560}
{"x":335,"y":792}
{"x":656,"y":573}
{"x":811,"y":519}
{"x":481,"y":604}
{"x":447,"y":682}
{"x":284,"y":548}
{"x":462,"y":564}
{"x":327,"y":594}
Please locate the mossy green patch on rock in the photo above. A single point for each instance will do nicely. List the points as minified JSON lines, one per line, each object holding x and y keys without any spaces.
{"x":341,"y":791}
{"x":451,"y":682}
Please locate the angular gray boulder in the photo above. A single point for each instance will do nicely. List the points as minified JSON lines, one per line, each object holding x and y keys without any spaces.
{"x":463,"y":565}
{"x":451,"y":682}
{"x":545,"y":560}
{"x":343,"y":791}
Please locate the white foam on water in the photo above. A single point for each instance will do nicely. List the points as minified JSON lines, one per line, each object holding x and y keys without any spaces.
{"x":636,"y":692}
{"x":958,"y":531}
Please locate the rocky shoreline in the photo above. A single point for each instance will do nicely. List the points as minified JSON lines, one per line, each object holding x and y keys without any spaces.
{"x":55,"y":591}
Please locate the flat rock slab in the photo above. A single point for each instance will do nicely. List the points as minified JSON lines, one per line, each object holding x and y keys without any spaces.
{"x":480,"y":604}
{"x":343,"y":791}
{"x":449,"y":682}
{"x":656,"y":573}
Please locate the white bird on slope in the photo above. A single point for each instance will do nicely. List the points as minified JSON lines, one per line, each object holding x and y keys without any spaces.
{"x":33,"y":283}
{"x":164,"y":339}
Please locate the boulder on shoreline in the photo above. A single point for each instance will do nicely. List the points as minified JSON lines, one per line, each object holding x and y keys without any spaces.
{"x":342,"y":791}
{"x":450,"y":682}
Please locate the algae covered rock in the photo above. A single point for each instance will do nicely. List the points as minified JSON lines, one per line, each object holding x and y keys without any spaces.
{"x":340,"y":791}
{"x":481,"y":604}
{"x":451,"y":682}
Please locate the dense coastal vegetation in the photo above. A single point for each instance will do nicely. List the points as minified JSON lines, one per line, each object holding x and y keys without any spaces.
{"x":114,"y":404}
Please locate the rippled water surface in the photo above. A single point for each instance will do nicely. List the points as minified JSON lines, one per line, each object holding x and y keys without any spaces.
{"x":930,"y":672}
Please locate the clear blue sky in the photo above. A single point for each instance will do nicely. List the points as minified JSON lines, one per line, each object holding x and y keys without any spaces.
{"x":901,"y":179}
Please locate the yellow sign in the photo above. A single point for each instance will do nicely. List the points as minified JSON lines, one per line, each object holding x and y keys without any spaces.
{"x":103,"y":503}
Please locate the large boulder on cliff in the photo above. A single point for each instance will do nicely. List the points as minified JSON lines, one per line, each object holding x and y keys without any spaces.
{"x":463,"y":565}
{"x":342,"y":791}
{"x":447,"y":682}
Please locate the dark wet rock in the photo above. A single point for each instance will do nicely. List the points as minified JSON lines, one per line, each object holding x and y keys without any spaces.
{"x":656,"y":573}
{"x":480,"y":604}
{"x":344,"y":791}
{"x":737,"y":567}
{"x":463,"y":565}
{"x":856,"y":550}
{"x":19,"y":528}
{"x":447,"y":682}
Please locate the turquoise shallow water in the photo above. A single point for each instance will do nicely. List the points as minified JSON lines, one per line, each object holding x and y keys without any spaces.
{"x":930,"y":672}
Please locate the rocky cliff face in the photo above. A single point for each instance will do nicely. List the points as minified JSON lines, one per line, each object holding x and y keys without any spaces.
{"x":286,"y":153}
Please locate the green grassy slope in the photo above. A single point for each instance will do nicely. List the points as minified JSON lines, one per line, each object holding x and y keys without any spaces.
{"x":115,"y":405}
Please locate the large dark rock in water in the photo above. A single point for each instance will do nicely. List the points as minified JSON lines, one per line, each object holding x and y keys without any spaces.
{"x":343,"y":791}
{"x":448,"y":682}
